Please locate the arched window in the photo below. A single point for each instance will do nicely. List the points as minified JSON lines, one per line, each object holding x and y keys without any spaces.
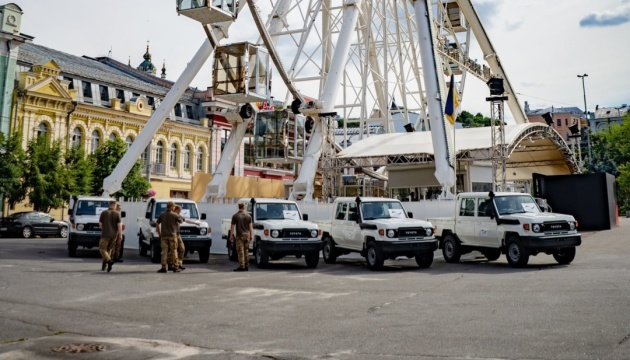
{"x":113,"y":136}
{"x":187,"y":153}
{"x":199,"y":159}
{"x":42,"y":130}
{"x":145,"y":155}
{"x":96,"y":140}
{"x":159,"y":153}
{"x":173,"y":155}
{"x":129,"y":141}
{"x":77,"y":137}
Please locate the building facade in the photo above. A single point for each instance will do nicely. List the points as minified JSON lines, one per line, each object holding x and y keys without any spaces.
{"x":87,"y":101}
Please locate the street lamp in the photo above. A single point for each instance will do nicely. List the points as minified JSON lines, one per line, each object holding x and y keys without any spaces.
{"x":588,"y":123}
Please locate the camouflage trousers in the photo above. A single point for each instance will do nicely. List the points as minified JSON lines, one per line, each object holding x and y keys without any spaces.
{"x":242,"y":249}
{"x":169,"y":251}
{"x":105,"y":247}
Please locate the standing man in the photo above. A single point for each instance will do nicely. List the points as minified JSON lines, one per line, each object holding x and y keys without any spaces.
{"x":167,"y":232}
{"x":118,"y":249}
{"x":111,"y":231}
{"x":181,"y":250}
{"x":242,"y":231}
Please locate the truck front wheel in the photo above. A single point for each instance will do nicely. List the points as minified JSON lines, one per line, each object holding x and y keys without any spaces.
{"x":564,"y":256}
{"x":374,"y":257}
{"x":424,"y":260}
{"x":262,"y":257}
{"x":156,"y":252}
{"x":312,"y":259}
{"x":232,"y":254}
{"x":516,"y":255}
{"x":450,"y":249}
{"x":72,"y":249}
{"x":204,"y":254}
{"x":329,"y":252}
{"x":492,"y":254}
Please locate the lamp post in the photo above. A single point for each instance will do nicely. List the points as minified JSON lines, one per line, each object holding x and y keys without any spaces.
{"x":588,"y":132}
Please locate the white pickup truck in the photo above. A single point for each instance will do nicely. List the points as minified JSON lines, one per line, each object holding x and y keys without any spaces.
{"x":510,"y":223}
{"x":196,"y":237}
{"x":378,"y":229}
{"x":85,"y":212}
{"x":279,"y":230}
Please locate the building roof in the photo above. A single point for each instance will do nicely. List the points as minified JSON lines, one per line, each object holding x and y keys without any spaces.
{"x":530,"y":146}
{"x":557,"y":110}
{"x":89,"y":69}
{"x":611,"y":112}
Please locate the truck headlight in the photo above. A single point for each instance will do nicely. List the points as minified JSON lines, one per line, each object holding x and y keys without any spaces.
{"x":314,"y":233}
{"x":391,"y":233}
{"x":428,"y":231}
{"x":275,"y":233}
{"x":536,"y":228}
{"x":203,"y":231}
{"x":571,"y":225}
{"x":80,"y":227}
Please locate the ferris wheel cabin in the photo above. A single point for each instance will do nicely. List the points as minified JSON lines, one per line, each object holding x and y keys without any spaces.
{"x":208,"y":11}
{"x":241,"y":73}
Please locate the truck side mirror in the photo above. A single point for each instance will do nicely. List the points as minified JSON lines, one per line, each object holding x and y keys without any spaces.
{"x":123,"y":214}
{"x":69,"y":211}
{"x":410,"y":215}
{"x":305,"y":217}
{"x":203,"y":216}
{"x":147,"y":215}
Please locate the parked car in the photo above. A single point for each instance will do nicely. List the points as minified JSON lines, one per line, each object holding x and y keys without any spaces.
{"x":31,"y":223}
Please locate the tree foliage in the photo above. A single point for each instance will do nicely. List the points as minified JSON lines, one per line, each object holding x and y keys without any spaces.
{"x":80,"y":171}
{"x":469,"y":120}
{"x":45,"y":177}
{"x":12,"y":158}
{"x":105,"y":159}
{"x":610,"y":151}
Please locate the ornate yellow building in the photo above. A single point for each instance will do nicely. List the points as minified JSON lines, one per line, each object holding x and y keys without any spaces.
{"x":86,"y":101}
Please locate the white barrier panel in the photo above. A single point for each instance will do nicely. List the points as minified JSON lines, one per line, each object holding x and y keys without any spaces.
{"x":133,"y":211}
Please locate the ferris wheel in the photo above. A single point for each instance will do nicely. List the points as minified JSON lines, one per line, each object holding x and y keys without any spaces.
{"x":378,"y":63}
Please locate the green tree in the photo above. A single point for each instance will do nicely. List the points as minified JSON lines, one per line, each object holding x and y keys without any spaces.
{"x":12,"y":157}
{"x":80,"y":171}
{"x":105,"y":159}
{"x":469,"y":120}
{"x":45,"y":177}
{"x":610,"y":151}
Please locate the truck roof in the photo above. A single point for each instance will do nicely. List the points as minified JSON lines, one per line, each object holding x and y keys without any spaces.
{"x":365,"y":198}
{"x":175,"y":200}
{"x":266,"y":200}
{"x":100,"y":198}
{"x":485,"y":193}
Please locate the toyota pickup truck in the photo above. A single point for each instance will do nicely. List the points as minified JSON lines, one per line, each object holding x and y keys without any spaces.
{"x":378,"y":229}
{"x":509,"y":223}
{"x":85,"y":212}
{"x":280,"y":230}
{"x":196,"y":237}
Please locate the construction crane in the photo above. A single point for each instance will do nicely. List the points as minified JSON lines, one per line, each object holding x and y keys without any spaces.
{"x":336,"y":59}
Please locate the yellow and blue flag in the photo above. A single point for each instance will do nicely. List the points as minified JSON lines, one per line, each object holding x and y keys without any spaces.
{"x":452,"y":102}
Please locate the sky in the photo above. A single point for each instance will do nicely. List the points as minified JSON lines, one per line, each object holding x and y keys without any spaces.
{"x":542,"y":44}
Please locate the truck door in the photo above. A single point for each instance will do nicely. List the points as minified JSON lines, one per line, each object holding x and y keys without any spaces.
{"x":485,"y":227}
{"x":465,"y":224}
{"x":353,"y":230}
{"x":338,"y":223}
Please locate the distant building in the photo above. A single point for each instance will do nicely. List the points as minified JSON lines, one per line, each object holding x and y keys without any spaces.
{"x":606,"y":116}
{"x":562,"y":117}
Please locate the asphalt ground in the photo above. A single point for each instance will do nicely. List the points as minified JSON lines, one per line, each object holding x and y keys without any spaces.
{"x":56,"y":307}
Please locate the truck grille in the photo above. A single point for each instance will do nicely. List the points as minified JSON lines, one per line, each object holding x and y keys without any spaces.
{"x":187,"y":231}
{"x":91,"y":227}
{"x":295,"y":233}
{"x":411,"y":232}
{"x":555,"y":226}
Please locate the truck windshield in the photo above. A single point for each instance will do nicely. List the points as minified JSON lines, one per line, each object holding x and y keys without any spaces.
{"x":382,"y":210}
{"x":517,"y":204}
{"x":91,"y":207}
{"x":277,"y":211}
{"x":189,"y":210}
